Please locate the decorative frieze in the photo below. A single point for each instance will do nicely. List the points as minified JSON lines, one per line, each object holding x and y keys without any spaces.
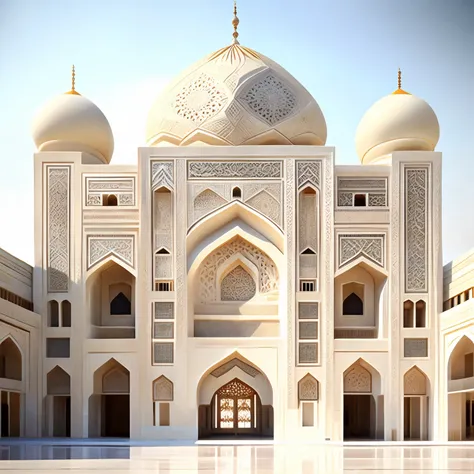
{"x":234,"y":169}
{"x":416,"y":235}
{"x":58,"y":231}
{"x":101,"y":246}
{"x":375,"y":190}
{"x":122,"y":188}
{"x":352,"y":246}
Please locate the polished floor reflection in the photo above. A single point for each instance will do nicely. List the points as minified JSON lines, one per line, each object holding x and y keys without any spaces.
{"x":262,"y":459}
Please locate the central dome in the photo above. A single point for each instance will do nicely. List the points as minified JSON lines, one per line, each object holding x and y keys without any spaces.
{"x":235,"y":96}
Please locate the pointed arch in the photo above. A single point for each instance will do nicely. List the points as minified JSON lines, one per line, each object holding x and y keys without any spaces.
{"x":163,"y":389}
{"x":415,"y":382}
{"x":111,"y":377}
{"x":107,"y":261}
{"x":58,"y":382}
{"x":11,"y":363}
{"x":461,"y":358}
{"x":308,"y":388}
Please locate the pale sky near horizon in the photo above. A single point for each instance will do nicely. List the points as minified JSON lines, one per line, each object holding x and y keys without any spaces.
{"x":346,"y":53}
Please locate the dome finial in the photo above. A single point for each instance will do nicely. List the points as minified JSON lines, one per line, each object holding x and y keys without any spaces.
{"x":73,"y":82}
{"x":400,"y":90}
{"x":235,"y":24}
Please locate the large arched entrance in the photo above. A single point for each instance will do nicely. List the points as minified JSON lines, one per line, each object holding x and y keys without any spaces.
{"x":235,"y":400}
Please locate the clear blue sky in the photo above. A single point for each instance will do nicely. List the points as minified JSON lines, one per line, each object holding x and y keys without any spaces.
{"x":345,"y":52}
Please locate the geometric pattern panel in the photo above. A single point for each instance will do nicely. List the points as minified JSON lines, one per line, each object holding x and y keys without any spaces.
{"x":308,"y":311}
{"x":101,"y":246}
{"x":163,"y":330}
{"x":269,"y":99}
{"x":415,"y":347}
{"x":163,"y":219}
{"x":267,"y":271}
{"x":308,"y":352}
{"x":58,"y":228}
{"x":236,"y":388}
{"x":308,"y":330}
{"x":163,"y":352}
{"x":238,"y":285}
{"x":370,"y":246}
{"x":123,"y":188}
{"x":414,"y":382}
{"x":163,"y":266}
{"x":162,"y":174}
{"x":416,"y":221}
{"x":224,"y":368}
{"x":162,"y":390}
{"x":308,"y":172}
{"x":358,"y":380}
{"x":234,"y":169}
{"x":164,"y":310}
{"x":308,"y":388}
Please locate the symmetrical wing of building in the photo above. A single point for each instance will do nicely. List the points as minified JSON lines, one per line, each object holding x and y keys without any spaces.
{"x":236,"y":281}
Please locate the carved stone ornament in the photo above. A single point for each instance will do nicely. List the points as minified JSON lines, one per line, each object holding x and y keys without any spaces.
{"x":308,"y":388}
{"x":162,"y":390}
{"x":162,"y":174}
{"x":235,"y":362}
{"x":58,"y":183}
{"x":234,"y":169}
{"x":353,"y":246}
{"x":416,"y":222}
{"x":101,"y":246}
{"x":414,"y":382}
{"x":308,"y":172}
{"x":358,"y":380}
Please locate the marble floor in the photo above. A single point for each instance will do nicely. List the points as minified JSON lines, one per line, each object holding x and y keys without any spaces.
{"x":242,"y":459}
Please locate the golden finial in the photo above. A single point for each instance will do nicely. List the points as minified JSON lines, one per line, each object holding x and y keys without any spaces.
{"x":73,"y":82}
{"x":235,"y":24}
{"x":400,"y":90}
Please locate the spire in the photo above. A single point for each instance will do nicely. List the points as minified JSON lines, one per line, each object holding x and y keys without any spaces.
{"x":235,"y":24}
{"x":73,"y":82}
{"x":400,"y":90}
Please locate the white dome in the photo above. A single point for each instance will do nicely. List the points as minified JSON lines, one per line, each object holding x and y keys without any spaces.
{"x":397,"y":122}
{"x":70,"y":122}
{"x":236,"y":97}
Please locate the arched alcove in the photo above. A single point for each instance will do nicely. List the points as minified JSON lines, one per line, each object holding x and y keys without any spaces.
{"x":109,"y":406}
{"x":10,"y":360}
{"x":363,"y":402}
{"x":415,"y":405}
{"x":111,"y":302}
{"x":58,"y":403}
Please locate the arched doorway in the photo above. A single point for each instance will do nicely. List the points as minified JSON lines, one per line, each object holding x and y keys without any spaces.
{"x":363,"y":403}
{"x":58,"y":403}
{"x":109,"y":406}
{"x":235,"y":400}
{"x":415,"y":405}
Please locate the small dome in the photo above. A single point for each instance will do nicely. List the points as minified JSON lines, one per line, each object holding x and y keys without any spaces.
{"x":397,"y":122}
{"x":70,"y":122}
{"x":236,"y":96}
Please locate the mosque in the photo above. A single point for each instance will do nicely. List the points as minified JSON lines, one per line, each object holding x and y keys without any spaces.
{"x":236,"y":282}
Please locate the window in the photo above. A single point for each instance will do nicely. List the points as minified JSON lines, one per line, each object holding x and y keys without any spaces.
{"x":360,"y":200}
{"x":164,"y":286}
{"x":420,"y":310}
{"x":307,"y":285}
{"x":109,"y":200}
{"x":237,"y":193}
{"x":163,"y":332}
{"x":120,"y":305}
{"x":66,"y":314}
{"x":353,"y":305}
{"x":53,"y":314}
{"x":408,"y":310}
{"x":308,"y":333}
{"x":469,"y":365}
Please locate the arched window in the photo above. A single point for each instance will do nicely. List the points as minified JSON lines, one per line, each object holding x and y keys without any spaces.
{"x":237,"y":193}
{"x":10,"y":360}
{"x":109,"y":200}
{"x":420,"y":310}
{"x":408,"y":314}
{"x":353,"y":305}
{"x":53,"y":314}
{"x":120,"y":305}
{"x":66,"y":314}
{"x":360,"y":200}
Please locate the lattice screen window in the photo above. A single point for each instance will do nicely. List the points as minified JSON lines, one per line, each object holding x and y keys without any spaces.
{"x":308,"y":334}
{"x":163,"y":333}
